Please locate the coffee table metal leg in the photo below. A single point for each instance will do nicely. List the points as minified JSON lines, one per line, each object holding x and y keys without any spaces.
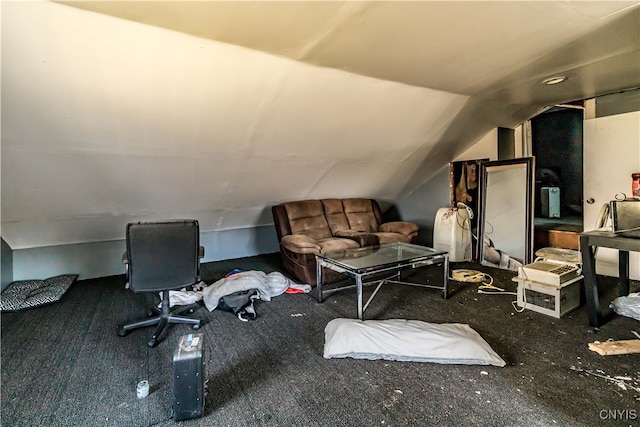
{"x":359,"y":292}
{"x":318,"y":281}
{"x":445,"y":283}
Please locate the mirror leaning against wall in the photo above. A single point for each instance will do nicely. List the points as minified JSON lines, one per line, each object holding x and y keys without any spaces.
{"x":505,"y":229}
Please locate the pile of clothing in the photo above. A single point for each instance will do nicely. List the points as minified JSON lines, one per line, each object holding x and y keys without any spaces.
{"x":237,"y":291}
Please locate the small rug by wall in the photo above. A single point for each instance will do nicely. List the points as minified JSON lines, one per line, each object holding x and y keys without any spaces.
{"x":24,"y":294}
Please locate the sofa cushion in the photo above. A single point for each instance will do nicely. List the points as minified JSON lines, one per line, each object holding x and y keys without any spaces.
{"x":362,"y":238}
{"x":307,"y":217}
{"x":302,"y":244}
{"x":337,"y":244}
{"x":406,"y":228}
{"x":359,"y":213}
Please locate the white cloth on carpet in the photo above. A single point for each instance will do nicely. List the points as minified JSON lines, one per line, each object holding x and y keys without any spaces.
{"x":184,"y":296}
{"x":268,"y":286}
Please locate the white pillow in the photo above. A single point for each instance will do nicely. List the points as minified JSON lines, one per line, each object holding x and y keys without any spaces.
{"x":408,"y":340}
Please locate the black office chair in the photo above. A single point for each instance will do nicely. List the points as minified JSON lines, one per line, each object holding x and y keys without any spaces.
{"x":163,"y":256}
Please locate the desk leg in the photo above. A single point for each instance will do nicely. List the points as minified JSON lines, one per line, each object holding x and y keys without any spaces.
{"x":318,"y":281}
{"x":590,"y":282}
{"x":359,"y":292}
{"x":623,"y":272}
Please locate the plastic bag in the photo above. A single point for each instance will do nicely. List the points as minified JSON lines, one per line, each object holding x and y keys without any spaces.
{"x":628,"y":306}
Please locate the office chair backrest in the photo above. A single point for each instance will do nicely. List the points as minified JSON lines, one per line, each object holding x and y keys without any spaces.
{"x":162,"y":255}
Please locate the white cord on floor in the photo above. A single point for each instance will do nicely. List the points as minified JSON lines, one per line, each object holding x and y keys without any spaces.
{"x":519,"y":309}
{"x":485,"y":280}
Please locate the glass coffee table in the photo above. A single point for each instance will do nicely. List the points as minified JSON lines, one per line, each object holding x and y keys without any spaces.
{"x":367,"y":264}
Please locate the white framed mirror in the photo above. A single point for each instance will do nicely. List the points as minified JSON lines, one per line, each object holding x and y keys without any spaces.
{"x":505,"y":226}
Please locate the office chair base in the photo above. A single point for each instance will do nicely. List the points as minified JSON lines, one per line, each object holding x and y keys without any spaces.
{"x":155,"y":311}
{"x":163,"y":321}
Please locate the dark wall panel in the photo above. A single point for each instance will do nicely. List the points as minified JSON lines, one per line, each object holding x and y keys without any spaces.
{"x":557,"y":147}
{"x":6,"y":255}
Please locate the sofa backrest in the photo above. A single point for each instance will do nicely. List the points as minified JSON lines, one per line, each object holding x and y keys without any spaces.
{"x":360,"y":214}
{"x":321,"y":219}
{"x":334,"y":212}
{"x":307,"y":217}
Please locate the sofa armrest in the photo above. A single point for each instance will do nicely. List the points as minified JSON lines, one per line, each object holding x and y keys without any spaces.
{"x":301,"y":244}
{"x":402,"y":227}
{"x":361,"y":237}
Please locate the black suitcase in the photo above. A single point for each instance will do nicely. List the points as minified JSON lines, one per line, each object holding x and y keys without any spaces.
{"x":188,"y":378}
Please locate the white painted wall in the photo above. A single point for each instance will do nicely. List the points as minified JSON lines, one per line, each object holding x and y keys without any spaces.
{"x":611,"y":155}
{"x":107,"y":121}
{"x":485,"y":148}
{"x":101,"y":259}
{"x":423,"y":203}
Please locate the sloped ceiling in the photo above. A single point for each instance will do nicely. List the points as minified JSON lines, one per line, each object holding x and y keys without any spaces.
{"x":115,"y":111}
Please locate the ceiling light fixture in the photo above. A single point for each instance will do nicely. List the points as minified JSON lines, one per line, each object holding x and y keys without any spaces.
{"x":554,"y":80}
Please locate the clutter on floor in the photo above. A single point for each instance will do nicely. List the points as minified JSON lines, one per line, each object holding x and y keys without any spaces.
{"x":268,"y":286}
{"x":240,"y":303}
{"x":237,"y":291}
{"x":25,"y":294}
{"x":551,"y":284}
{"x":623,"y":382}
{"x":497,"y":258}
{"x":186,"y":296}
{"x":627,"y":306}
{"x":484,"y":281}
{"x":298,"y":288}
{"x":408,"y":341}
{"x":609,"y":348}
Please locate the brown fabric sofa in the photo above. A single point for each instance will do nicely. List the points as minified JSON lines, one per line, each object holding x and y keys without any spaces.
{"x":308,"y":227}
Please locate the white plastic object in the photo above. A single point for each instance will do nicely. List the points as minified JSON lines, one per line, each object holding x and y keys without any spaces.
{"x":628,"y":306}
{"x":142,"y":390}
{"x":452,"y":232}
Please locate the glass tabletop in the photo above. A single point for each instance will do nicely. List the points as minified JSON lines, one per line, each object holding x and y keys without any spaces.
{"x":362,"y":259}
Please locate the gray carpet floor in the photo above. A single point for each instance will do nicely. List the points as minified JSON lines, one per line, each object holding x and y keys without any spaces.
{"x":65,"y":365}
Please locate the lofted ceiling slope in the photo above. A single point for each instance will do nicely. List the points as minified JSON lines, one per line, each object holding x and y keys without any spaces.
{"x":455,"y":46}
{"x":120,"y":110}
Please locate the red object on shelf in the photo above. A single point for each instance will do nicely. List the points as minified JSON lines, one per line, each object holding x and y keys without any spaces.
{"x":635,"y":184}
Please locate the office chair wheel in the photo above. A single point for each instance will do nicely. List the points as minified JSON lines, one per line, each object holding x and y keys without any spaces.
{"x":152,"y":342}
{"x":196,"y":326}
{"x":123,"y":332}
